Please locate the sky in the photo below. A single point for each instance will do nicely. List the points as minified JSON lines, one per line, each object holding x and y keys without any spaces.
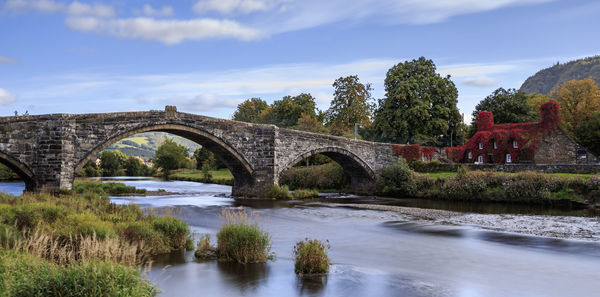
{"x":207,"y":56}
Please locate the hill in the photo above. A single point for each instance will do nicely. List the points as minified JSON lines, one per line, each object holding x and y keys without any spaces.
{"x":547,"y":79}
{"x":145,"y":144}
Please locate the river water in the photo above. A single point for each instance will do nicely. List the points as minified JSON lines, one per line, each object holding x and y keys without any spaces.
{"x":375,"y":252}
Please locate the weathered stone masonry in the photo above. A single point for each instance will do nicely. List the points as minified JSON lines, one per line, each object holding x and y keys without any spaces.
{"x":47,"y":150}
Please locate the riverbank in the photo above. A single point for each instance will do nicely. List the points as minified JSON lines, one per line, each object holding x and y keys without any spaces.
{"x":564,"y":227}
{"x":220,"y":176}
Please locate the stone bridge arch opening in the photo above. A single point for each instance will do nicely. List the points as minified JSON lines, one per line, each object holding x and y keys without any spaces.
{"x":24,"y":172}
{"x":240,"y":168}
{"x":361,"y":176}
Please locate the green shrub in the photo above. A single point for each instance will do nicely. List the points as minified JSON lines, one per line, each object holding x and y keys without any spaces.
{"x":311,"y":257}
{"x":174,"y":229}
{"x":324,"y":177}
{"x":278,"y":192}
{"x":396,"y":180}
{"x":431,"y":166}
{"x":26,"y":275}
{"x":305,"y":194}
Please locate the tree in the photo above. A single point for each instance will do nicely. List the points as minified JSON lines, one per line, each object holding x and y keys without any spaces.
{"x":418,"y":101}
{"x":251,"y":110}
{"x":169,"y":156}
{"x":288,"y":110}
{"x":508,"y":106}
{"x":351,"y":104}
{"x":587,"y":133}
{"x":203,"y":156}
{"x":578,"y":99}
{"x":112,"y":162}
{"x":135,"y":167}
{"x":310,"y":124}
{"x":91,"y":169}
{"x":535,"y":101}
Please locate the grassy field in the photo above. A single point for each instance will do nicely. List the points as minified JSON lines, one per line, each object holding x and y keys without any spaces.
{"x":221,"y":176}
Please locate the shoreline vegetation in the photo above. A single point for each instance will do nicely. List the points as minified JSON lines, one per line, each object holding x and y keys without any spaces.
{"x":78,"y":241}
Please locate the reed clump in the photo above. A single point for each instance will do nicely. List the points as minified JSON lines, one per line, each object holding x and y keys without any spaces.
{"x":204,"y":250}
{"x":311,"y":257}
{"x":241,"y":240}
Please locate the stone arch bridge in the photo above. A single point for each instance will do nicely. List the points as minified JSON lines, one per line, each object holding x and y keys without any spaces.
{"x":47,"y":150}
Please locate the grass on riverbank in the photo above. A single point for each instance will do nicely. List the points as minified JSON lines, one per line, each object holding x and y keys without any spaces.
{"x":446,"y":174}
{"x":521,"y":187}
{"x":23,"y":274}
{"x":100,"y":188}
{"x":81,"y":244}
{"x":220,"y":176}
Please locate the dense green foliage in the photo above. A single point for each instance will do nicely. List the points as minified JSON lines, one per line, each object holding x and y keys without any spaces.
{"x":112,"y":163}
{"x":204,"y":156}
{"x":418,"y":104}
{"x":311,"y":257}
{"x":508,"y":106}
{"x":396,"y":180}
{"x":351,"y":104}
{"x":170,"y":155}
{"x":251,"y":110}
{"x":324,"y":177}
{"x":241,"y":241}
{"x":587,"y":133}
{"x":27,"y":275}
{"x":547,"y":79}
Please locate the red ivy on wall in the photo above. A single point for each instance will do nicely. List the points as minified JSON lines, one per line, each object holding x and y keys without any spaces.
{"x":414,"y":152}
{"x":495,"y":141}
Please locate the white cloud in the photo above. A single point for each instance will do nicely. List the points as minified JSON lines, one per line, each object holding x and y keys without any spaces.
{"x":297,"y":15}
{"x":481,"y":81}
{"x":148,"y":10}
{"x":6,"y":97}
{"x":7,"y":60}
{"x":75,"y":8}
{"x":231,"y":6}
{"x":165,"y":31}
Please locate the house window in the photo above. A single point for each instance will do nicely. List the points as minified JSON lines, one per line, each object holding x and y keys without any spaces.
{"x":480,"y":146}
{"x":470,"y":155}
{"x":515,"y":145}
{"x":495,"y":145}
{"x":508,"y":158}
{"x":480,"y":159}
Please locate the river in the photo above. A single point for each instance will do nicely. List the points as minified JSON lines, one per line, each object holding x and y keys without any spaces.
{"x":381,"y":252}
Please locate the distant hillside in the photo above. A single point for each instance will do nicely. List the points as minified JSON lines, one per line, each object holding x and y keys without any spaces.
{"x":145,"y":144}
{"x":547,"y":79}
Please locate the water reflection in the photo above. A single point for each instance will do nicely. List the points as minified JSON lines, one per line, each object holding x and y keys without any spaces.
{"x":246,"y":277}
{"x":311,"y":285}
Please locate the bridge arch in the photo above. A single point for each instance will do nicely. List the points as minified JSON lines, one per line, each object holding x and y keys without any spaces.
{"x":21,"y":169}
{"x":240,"y":168}
{"x":362,"y":176}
